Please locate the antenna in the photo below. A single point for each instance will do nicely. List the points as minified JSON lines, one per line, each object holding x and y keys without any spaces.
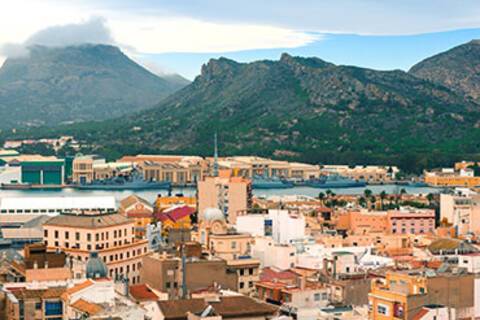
{"x":215,"y":156}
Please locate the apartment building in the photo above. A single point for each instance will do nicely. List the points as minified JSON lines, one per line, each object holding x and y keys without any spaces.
{"x":232,"y":195}
{"x":111,"y":235}
{"x":449,"y":177}
{"x":403,"y":294}
{"x":462,"y":212}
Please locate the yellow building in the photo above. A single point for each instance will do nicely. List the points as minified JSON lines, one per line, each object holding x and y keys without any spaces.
{"x":178,"y":217}
{"x":451,"y":178}
{"x":167,"y":202}
{"x":402,"y":294}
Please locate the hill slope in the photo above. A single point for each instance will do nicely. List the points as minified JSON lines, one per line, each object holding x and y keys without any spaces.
{"x":76,"y":83}
{"x":305,"y":109}
{"x":457,"y":68}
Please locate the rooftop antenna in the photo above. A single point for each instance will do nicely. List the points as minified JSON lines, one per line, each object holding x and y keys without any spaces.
{"x":215,"y":157}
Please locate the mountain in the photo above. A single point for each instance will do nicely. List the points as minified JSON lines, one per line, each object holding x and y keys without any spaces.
{"x":304,"y":109}
{"x":457,"y":69}
{"x":76,"y":83}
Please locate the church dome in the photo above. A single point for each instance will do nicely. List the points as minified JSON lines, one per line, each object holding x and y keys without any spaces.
{"x":96,"y":268}
{"x":213,"y":214}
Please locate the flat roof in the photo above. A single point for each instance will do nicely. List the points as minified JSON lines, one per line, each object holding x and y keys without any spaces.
{"x":16,"y":203}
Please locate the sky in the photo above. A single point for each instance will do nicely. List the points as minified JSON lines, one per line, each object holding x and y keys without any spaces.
{"x":169,"y":36}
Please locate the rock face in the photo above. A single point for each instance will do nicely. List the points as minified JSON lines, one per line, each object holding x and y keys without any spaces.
{"x":457,"y":69}
{"x":306,"y":109}
{"x":76,"y":83}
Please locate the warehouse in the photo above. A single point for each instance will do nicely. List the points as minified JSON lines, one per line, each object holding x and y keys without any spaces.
{"x":56,"y":205}
{"x":43,"y":172}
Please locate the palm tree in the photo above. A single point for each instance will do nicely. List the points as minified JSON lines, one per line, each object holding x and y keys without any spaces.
{"x":430,"y":199}
{"x":362,"y":202}
{"x":383,"y":196}
{"x":321,"y":197}
{"x":368,"y":194}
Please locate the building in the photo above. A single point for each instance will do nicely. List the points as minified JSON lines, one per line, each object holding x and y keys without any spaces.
{"x":223,"y":307}
{"x":166,"y":202}
{"x":139,"y":210}
{"x":402,"y":221}
{"x":41,"y":303}
{"x":165,"y":273}
{"x":177,"y":217}
{"x":46,"y":171}
{"x":232,"y":195}
{"x":462,"y":212}
{"x":111,"y":235}
{"x":451,"y":178}
{"x":402,"y":294}
{"x":372,"y":174}
{"x":56,"y":205}
{"x":82,"y":168}
{"x":251,"y":166}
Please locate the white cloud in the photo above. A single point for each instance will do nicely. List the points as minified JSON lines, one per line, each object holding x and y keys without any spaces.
{"x":54,"y":23}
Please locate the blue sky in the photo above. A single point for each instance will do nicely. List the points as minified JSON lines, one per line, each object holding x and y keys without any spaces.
{"x":179,"y":36}
{"x":377,"y":52}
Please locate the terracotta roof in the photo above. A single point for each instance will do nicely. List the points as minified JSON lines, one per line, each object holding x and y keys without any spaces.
{"x":142,"y":292}
{"x":132,"y":199}
{"x":227,"y":307}
{"x":420,"y":314}
{"x":87,"y":307}
{"x":88,"y":221}
{"x":269,"y":274}
{"x":177,"y":309}
{"x":23,"y":293}
{"x":79,"y":287}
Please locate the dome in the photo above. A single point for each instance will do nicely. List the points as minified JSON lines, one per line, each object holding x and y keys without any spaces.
{"x":96,"y":268}
{"x":213,"y":214}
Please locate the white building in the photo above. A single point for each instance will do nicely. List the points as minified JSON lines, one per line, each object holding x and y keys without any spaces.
{"x":273,"y":255}
{"x":56,"y":205}
{"x":283,"y":226}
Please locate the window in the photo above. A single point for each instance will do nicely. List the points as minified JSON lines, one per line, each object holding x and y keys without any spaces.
{"x":317,"y":297}
{"x":241,"y":285}
{"x":67,"y":234}
{"x":167,"y":285}
{"x":234,"y":244}
{"x":250,"y":271}
{"x":56,"y":234}
{"x":242,"y":272}
{"x":77,"y":236}
{"x":53,"y":308}
{"x":89,"y":237}
{"x":250,"y":284}
{"x":89,"y":247}
{"x":382,"y":309}
{"x":38,"y":305}
{"x":45,"y":233}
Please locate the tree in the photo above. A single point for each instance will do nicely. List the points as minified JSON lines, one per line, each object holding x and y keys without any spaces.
{"x":362,"y":202}
{"x":321,"y":197}
{"x":383,"y":196}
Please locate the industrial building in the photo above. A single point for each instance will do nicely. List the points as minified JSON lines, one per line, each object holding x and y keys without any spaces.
{"x":56,"y":205}
{"x":47,"y":171}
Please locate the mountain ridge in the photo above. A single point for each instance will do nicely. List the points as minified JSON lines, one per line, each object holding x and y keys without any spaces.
{"x":76,"y":83}
{"x":303,"y":109}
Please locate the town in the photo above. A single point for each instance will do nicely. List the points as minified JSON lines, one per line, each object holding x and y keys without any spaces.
{"x":224,"y":250}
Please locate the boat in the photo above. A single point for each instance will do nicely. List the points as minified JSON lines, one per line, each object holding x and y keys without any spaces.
{"x":418,"y":184}
{"x":259,"y":182}
{"x":130,"y":182}
{"x":15,"y":185}
{"x":335,"y":181}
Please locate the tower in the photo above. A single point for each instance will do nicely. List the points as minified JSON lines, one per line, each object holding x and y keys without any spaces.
{"x":215,"y":157}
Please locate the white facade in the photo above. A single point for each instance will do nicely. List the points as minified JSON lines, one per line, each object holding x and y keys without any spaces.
{"x":269,"y":254}
{"x":56,"y":205}
{"x":286,"y":226}
{"x":251,"y":223}
{"x":469,"y":261}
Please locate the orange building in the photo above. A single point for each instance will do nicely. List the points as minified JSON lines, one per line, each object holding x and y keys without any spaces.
{"x":162,"y":203}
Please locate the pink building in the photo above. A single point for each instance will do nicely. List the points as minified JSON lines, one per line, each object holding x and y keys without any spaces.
{"x":411,"y":221}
